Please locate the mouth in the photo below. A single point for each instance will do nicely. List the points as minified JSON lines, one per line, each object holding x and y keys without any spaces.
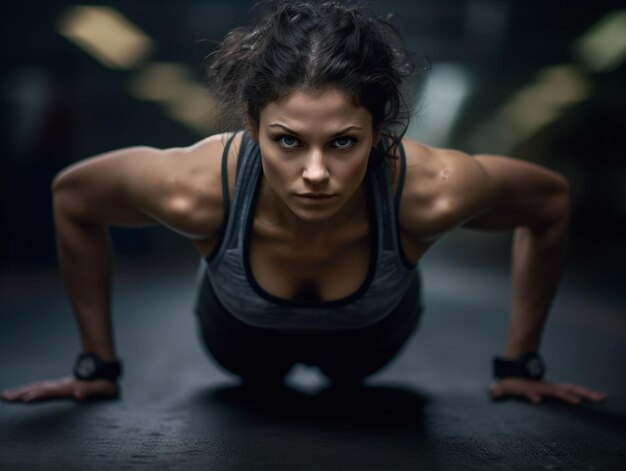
{"x":315,"y":198}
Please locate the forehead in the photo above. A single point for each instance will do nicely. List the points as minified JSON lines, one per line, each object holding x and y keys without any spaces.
{"x":327,"y":108}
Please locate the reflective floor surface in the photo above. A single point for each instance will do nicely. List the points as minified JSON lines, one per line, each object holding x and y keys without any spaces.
{"x":428,"y":410}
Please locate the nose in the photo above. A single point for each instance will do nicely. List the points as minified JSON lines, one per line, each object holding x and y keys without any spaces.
{"x":315,"y":170}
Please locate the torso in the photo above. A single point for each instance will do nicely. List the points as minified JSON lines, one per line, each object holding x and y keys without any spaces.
{"x":305,"y":269}
{"x":326,"y":270}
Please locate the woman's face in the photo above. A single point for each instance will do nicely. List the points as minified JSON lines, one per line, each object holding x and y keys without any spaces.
{"x":315,"y":147}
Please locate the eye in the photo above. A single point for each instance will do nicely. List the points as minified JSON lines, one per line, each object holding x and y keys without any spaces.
{"x":286,"y":141}
{"x":344,"y":142}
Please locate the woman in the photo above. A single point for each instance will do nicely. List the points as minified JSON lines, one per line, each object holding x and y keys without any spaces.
{"x":312,"y":220}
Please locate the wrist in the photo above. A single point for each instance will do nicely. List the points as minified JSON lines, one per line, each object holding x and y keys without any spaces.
{"x":529,"y":365}
{"x":522,"y":343}
{"x":90,"y":366}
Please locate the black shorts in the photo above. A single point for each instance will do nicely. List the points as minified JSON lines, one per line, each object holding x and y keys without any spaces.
{"x":266,"y":355}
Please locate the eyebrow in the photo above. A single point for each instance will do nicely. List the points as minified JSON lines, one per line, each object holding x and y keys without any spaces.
{"x":291,"y":131}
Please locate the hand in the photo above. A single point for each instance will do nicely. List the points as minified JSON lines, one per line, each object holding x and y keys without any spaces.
{"x":67,"y":387}
{"x":536,"y":391}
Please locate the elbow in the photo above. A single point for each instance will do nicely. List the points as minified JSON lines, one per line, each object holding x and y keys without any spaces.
{"x":562,"y":184}
{"x":563,"y":199}
{"x":60,"y":187}
{"x":60,"y":181}
{"x":54,"y":186}
{"x":554,"y":216}
{"x":66,"y":197}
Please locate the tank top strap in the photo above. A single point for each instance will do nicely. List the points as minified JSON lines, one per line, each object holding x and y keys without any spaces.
{"x":225,"y":192}
{"x":396,"y":209}
{"x":248,"y":167}
{"x":383,"y":199}
{"x":400,"y":185}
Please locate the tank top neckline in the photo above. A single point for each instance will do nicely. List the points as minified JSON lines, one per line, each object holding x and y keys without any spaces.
{"x":363,"y":288}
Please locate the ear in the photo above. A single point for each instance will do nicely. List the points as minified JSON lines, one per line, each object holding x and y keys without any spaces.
{"x":376,"y":137}
{"x":253,"y":132}
{"x":251,"y":128}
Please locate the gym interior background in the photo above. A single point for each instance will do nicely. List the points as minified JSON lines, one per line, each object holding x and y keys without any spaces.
{"x":540,"y":81}
{"x":534,"y":80}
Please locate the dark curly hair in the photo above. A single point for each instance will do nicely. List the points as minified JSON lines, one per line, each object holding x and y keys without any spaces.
{"x":301,"y":45}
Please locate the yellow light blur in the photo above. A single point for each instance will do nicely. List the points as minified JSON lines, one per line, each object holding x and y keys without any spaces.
{"x":159,"y":81}
{"x":195,"y":108}
{"x":603,"y":47}
{"x":106,"y":35}
{"x":544,"y":100}
{"x":184,"y":99}
{"x":531,"y":109}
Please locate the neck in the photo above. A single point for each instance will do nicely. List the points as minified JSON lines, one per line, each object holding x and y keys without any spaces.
{"x":272,"y":211}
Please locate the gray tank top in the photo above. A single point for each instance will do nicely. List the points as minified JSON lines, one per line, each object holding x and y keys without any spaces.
{"x":228,"y":267}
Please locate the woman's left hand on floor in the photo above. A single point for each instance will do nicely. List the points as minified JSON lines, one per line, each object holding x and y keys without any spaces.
{"x":536,"y":391}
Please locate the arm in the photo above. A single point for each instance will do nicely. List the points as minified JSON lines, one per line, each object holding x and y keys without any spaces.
{"x":85,"y":202}
{"x":134,"y":187}
{"x":447,"y":189}
{"x":534,"y":202}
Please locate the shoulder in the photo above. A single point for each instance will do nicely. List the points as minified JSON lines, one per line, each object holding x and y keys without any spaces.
{"x":188,"y":181}
{"x":442,"y":189}
{"x":201,"y":163}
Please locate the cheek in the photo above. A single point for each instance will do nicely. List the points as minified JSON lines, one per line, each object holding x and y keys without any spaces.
{"x":275,"y":170}
{"x":354,"y":170}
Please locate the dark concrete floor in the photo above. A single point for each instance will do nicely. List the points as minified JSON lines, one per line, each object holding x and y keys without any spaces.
{"x":428,"y":410}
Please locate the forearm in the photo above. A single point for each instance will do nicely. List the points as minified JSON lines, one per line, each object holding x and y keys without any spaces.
{"x":84,"y":253}
{"x":538,"y":256}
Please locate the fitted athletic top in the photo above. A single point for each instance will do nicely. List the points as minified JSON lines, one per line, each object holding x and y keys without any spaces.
{"x":228,"y":267}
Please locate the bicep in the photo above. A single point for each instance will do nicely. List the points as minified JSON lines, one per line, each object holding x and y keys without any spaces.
{"x":121,"y":188}
{"x":520,"y":194}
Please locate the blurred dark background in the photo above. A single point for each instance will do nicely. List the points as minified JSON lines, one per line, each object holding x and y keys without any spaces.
{"x":541,"y":81}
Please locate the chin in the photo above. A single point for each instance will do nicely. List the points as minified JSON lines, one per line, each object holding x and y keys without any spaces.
{"x":314,"y":214}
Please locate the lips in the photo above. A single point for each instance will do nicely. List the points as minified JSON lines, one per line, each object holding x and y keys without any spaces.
{"x":315,"y":198}
{"x":315,"y":195}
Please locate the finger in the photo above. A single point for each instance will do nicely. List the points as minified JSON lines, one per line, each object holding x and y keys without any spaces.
{"x":595,"y":396}
{"x":31,"y":396}
{"x":496,"y":391}
{"x":570,"y":398}
{"x":38,"y":394}
{"x":536,"y":391}
{"x":584,"y":393}
{"x":11,"y":394}
{"x":18,"y":394}
{"x":534,"y":397}
{"x":564,"y":394}
{"x":40,"y":389}
{"x":7,"y":395}
{"x":47,"y":390}
{"x":34,"y":395}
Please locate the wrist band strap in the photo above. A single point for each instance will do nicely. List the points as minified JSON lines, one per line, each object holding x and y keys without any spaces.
{"x":528,"y":365}
{"x":89,"y":366}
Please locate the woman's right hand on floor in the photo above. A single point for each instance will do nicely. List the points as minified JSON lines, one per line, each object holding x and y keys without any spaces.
{"x":67,"y":387}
